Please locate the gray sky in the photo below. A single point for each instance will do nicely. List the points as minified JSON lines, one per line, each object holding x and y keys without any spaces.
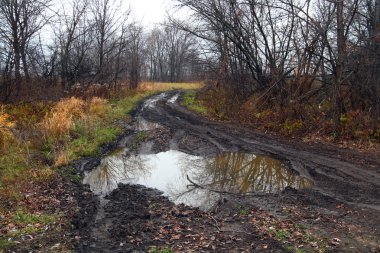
{"x":149,"y":12}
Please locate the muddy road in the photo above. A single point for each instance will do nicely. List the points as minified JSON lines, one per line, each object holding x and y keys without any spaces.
{"x":182,"y":183}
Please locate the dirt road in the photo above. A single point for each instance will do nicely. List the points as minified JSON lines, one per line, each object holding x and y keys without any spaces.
{"x":331,"y":203}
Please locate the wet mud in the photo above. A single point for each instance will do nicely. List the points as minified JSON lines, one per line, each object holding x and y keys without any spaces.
{"x":181,"y":182}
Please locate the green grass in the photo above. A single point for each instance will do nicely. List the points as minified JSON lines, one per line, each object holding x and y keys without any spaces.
{"x":190,"y":101}
{"x":28,"y":223}
{"x":281,"y":235}
{"x":13,"y":162}
{"x":156,"y":250}
{"x":5,"y":244}
{"x":23,"y":218}
{"x":89,"y":144}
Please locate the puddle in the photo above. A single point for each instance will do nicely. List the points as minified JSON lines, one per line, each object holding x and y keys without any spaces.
{"x":151,"y":102}
{"x":173,"y":99}
{"x":144,"y":125}
{"x":168,"y":172}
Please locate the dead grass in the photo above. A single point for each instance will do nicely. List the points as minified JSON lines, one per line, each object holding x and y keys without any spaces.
{"x":98,"y":107}
{"x":57,"y":123}
{"x":160,"y":86}
{"x":6,"y":126}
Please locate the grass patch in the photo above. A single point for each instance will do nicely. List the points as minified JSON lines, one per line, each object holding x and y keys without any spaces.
{"x":156,"y":250}
{"x":190,"y":101}
{"x":5,"y":244}
{"x":87,"y":132}
{"x":13,"y":162}
{"x":23,"y":218}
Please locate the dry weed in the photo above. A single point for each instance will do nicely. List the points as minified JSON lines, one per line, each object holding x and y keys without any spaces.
{"x":60,"y":120}
{"x":6,"y":126}
{"x":63,"y":158}
{"x":98,"y":107}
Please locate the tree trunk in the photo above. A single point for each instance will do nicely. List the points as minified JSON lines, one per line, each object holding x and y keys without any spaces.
{"x":376,"y":68}
{"x":25,"y":63}
{"x":340,"y":64}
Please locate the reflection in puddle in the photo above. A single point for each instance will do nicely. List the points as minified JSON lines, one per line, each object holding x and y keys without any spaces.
{"x":168,"y":171}
{"x":114,"y":170}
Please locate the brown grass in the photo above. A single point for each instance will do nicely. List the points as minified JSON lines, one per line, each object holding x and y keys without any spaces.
{"x":60,"y":120}
{"x":6,"y":126}
{"x":161,"y":86}
{"x":98,"y":107}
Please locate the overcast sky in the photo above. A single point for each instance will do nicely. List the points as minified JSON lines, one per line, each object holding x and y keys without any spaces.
{"x":149,"y":12}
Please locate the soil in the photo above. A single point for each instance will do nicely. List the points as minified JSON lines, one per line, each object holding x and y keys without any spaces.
{"x":340,"y":213}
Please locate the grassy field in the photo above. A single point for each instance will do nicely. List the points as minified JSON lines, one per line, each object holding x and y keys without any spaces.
{"x":154,"y":86}
{"x":38,"y":138}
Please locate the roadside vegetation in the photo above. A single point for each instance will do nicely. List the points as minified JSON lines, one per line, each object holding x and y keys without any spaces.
{"x":37,"y":139}
{"x":307,"y":122}
{"x":190,"y":101}
{"x":312,"y":76}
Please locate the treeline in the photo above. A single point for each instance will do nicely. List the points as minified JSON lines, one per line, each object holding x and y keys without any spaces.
{"x":282,"y":53}
{"x":81,"y":43}
{"x":293,"y":53}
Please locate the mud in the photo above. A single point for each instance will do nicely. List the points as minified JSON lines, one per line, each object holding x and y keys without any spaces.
{"x":340,"y":212}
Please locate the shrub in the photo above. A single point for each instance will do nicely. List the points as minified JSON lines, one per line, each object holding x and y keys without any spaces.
{"x":291,"y":127}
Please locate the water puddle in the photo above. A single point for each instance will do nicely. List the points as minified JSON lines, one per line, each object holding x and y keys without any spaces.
{"x":151,"y":102}
{"x":173,"y":99}
{"x":145,"y":125}
{"x":170,"y":172}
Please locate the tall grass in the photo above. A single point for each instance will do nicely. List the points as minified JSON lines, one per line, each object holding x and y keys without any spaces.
{"x":58,"y":123}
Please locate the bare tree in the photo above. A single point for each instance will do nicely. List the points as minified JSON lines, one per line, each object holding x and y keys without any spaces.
{"x":134,"y":54}
{"x":72,"y":29}
{"x":107,"y":26}
{"x":19,"y":22}
{"x":171,"y":53}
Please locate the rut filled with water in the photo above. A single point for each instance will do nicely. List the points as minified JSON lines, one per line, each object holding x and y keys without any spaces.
{"x":193,"y":180}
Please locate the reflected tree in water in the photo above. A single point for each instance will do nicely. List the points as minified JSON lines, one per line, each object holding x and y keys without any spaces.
{"x":168,"y":172}
{"x":242,"y":173}
{"x":116,"y":169}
